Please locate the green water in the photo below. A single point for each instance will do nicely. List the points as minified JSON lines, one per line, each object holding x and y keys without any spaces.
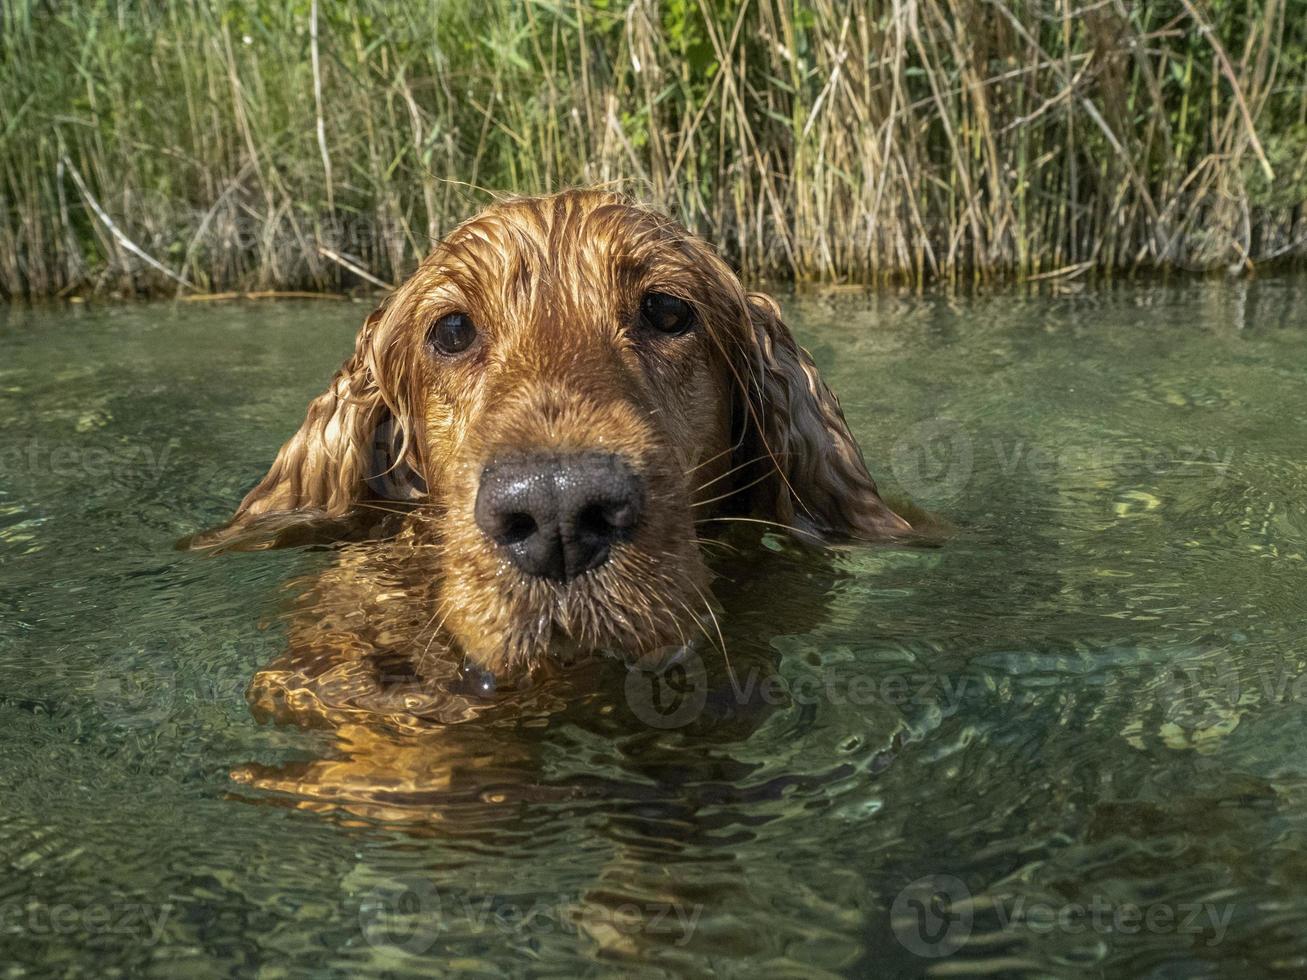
{"x":1071,"y":739}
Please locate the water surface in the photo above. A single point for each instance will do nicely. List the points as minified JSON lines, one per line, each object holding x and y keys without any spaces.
{"x":1070,"y":739}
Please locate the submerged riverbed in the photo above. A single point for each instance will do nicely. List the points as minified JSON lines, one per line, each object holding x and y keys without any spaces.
{"x":1070,"y":738}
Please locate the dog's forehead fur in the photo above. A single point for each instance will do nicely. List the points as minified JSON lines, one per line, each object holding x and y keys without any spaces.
{"x":553,"y":286}
{"x":569,"y":262}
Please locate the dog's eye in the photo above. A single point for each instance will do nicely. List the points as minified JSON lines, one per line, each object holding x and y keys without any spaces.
{"x":452,"y":334}
{"x":666,"y":314}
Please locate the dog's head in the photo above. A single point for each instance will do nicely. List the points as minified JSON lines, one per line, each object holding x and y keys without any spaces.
{"x":574,"y":389}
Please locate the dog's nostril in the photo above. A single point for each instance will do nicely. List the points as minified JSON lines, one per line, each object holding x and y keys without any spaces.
{"x":600,"y":520}
{"x":517,"y":528}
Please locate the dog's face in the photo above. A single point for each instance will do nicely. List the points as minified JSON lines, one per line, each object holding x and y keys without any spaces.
{"x":575,"y":389}
{"x":572,"y":403}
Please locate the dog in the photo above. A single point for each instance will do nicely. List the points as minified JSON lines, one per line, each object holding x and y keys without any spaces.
{"x":557,"y":410}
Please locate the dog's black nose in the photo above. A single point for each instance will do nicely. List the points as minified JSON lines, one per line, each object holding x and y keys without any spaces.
{"x":557,"y":516}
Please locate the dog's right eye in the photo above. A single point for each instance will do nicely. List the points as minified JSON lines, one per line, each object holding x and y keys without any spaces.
{"x":666,"y":314}
{"x":452,"y":334}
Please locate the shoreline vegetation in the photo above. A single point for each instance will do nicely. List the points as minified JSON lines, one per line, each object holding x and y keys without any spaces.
{"x":177,"y":147}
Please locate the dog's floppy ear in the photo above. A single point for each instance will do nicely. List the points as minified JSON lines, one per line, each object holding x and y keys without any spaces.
{"x":349,"y":447}
{"x":821,"y":486}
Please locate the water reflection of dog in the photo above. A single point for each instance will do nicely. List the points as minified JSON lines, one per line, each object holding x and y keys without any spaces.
{"x":414,"y":730}
{"x":650,"y":760}
{"x":654,"y":763}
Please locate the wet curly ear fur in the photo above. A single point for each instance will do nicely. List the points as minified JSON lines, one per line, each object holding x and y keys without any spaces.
{"x":821,"y":485}
{"x":349,"y":448}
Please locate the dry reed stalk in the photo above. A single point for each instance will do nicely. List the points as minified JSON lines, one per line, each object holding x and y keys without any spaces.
{"x":246,"y":147}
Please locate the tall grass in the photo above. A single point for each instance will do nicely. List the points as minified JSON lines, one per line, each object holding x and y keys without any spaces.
{"x":165,"y":145}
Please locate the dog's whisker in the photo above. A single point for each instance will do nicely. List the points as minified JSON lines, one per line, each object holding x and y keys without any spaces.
{"x":422,"y":659}
{"x":720,"y":637}
{"x":373,"y":505}
{"x":680,"y":631}
{"x":733,"y":469}
{"x":715,"y":456}
{"x":754,"y":520}
{"x":733,"y":491}
{"x":714,"y":542}
{"x":698,"y":622}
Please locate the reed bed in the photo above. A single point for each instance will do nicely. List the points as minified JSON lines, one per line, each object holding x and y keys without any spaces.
{"x":179,"y":146}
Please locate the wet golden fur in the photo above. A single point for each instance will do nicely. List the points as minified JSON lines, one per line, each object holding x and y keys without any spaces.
{"x":729,"y":420}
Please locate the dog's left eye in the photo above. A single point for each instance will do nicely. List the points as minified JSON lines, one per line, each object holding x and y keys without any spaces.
{"x":452,"y":334}
{"x":666,"y":314}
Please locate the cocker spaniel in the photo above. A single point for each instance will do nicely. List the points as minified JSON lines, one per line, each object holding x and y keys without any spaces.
{"x":564,"y":396}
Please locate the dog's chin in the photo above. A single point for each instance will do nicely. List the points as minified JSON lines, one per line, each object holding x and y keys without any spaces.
{"x":643,"y":612}
{"x":562,"y":651}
